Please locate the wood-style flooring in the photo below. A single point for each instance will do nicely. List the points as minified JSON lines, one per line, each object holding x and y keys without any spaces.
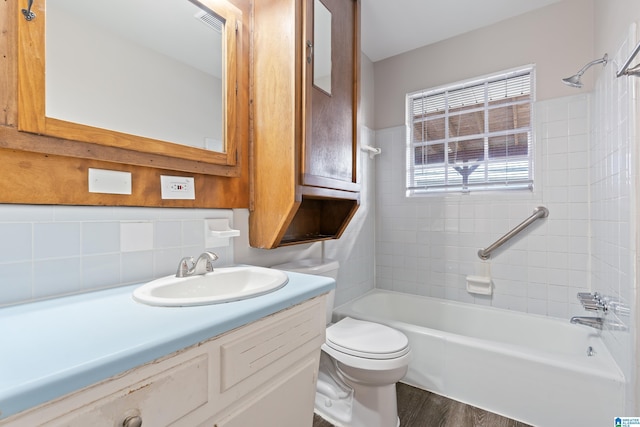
{"x":419,"y":408}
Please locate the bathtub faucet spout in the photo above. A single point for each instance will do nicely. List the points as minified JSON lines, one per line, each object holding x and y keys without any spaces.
{"x":594,"y":322}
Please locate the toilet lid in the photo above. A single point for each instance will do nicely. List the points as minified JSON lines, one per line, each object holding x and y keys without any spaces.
{"x":366,"y":339}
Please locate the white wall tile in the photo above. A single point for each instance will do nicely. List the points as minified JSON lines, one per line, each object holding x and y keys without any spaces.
{"x":47,"y":251}
{"x":26,"y":213}
{"x":100,"y":271}
{"x":168,"y":234}
{"x":136,"y":267}
{"x":53,"y":240}
{"x":192,"y":234}
{"x":613,"y":158}
{"x":17,"y":282}
{"x":100,"y":237}
{"x":56,"y":276}
{"x":136,"y":236}
{"x":15,"y":242}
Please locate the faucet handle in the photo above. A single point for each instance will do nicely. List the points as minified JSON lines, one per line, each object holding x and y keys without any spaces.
{"x":204,"y":264}
{"x":185,"y":267}
{"x":210,"y":257}
{"x":595,"y":305}
{"x":589,"y":296}
{"x":592,"y":301}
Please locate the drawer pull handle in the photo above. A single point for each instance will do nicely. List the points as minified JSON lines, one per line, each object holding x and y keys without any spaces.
{"x":134,"y":421}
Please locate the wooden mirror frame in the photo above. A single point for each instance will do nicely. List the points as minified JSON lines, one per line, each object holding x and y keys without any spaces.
{"x":99,"y":144}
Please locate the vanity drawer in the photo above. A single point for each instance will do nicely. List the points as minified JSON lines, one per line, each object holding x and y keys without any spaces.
{"x":159,"y":400}
{"x":253,"y":352}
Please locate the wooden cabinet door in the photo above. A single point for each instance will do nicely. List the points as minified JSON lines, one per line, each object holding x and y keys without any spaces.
{"x":330,"y":149}
{"x":305,"y":138}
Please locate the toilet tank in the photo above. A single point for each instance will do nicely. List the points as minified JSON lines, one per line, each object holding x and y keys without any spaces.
{"x":318,"y":267}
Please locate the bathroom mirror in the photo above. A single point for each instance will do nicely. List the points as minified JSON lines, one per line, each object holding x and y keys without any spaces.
{"x":143,"y":76}
{"x":321,"y":47}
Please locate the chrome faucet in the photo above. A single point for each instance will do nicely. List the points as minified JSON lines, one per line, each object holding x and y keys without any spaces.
{"x":594,"y":322}
{"x":203,"y":265}
{"x":605,"y":304}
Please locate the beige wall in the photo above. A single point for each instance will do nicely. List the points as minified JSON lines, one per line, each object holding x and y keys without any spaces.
{"x":612,"y":20}
{"x":558,"y":38}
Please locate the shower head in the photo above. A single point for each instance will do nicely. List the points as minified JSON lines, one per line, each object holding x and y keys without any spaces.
{"x":574,"y":81}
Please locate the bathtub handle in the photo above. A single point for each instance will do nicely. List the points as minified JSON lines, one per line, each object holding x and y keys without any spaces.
{"x":539,"y":212}
{"x":598,"y":302}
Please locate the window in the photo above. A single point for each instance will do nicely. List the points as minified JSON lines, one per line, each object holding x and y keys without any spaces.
{"x":469,"y":136}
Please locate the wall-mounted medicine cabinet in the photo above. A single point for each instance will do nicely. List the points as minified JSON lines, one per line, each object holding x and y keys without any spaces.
{"x":148,"y":87}
{"x":306,"y":69}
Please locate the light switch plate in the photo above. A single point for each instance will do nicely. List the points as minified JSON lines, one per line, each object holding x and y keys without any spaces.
{"x":177,"y":187}
{"x":109,"y":182}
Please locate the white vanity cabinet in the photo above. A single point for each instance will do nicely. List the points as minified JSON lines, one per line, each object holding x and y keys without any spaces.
{"x":284,"y":404}
{"x":262,"y":374}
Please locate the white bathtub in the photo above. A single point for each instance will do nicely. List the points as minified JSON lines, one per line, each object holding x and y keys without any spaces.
{"x":530,"y":368}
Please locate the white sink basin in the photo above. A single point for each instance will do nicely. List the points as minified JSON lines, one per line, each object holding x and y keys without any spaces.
{"x":221,"y":285}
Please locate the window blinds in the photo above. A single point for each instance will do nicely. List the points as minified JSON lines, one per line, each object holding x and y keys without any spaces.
{"x":474,"y":135}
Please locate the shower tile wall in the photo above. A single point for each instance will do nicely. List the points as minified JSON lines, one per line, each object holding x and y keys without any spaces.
{"x":427,"y":245}
{"x":613,"y":200}
{"x":47,"y":251}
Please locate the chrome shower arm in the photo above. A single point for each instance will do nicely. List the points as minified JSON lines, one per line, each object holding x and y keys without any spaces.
{"x":604,"y":60}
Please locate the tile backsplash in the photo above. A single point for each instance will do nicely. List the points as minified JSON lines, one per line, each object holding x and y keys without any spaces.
{"x":47,"y":251}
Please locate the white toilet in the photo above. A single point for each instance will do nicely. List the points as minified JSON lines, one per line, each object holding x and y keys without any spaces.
{"x":360,"y":363}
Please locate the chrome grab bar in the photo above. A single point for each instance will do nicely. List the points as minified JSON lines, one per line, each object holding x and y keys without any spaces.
{"x":539,"y":212}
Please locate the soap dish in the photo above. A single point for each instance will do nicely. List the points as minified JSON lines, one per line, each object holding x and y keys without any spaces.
{"x":218,"y":232}
{"x":480,"y":285}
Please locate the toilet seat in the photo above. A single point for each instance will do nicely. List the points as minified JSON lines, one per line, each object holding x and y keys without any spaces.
{"x":368,"y":340}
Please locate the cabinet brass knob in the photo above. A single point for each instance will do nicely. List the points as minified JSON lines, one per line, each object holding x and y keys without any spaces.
{"x":310,"y":51}
{"x":135,"y":421}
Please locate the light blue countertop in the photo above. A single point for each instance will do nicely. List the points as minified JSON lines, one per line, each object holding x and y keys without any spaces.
{"x":54,"y":347}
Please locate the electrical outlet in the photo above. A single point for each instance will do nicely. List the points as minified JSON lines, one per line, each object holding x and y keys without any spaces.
{"x":177,"y":187}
